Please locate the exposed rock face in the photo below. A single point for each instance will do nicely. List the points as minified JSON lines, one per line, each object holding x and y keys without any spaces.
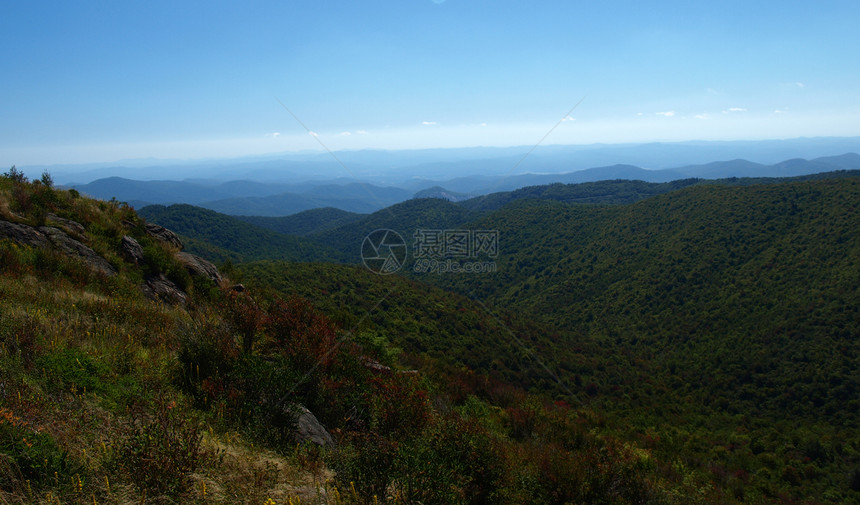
{"x":199,"y":267}
{"x":309,"y":429}
{"x":132,"y":250}
{"x":163,"y":289}
{"x":163,"y":234}
{"x":73,"y":228}
{"x":72,"y":247}
{"x":22,"y":234}
{"x":45,"y":236}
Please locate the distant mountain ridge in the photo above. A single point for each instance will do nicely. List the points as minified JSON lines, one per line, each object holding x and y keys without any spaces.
{"x":386,"y":167}
{"x":253,"y":198}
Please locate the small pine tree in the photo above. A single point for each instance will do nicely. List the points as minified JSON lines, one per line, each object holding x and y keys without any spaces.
{"x":47,"y":180}
{"x":15,"y":175}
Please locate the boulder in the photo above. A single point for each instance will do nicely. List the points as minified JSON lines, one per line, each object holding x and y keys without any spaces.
{"x":309,"y":429}
{"x":163,"y":234}
{"x":73,"y":228}
{"x":22,"y":234}
{"x":72,"y":247}
{"x":163,"y":289}
{"x":132,"y":250}
{"x":45,"y":236}
{"x":199,"y":267}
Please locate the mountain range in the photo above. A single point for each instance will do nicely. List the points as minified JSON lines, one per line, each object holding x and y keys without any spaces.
{"x":272,"y":199}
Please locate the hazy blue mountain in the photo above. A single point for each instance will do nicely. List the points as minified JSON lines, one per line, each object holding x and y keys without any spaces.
{"x":356,"y":197}
{"x":187,"y":191}
{"x":271,"y":199}
{"x":395,"y":167}
{"x":440,"y":192}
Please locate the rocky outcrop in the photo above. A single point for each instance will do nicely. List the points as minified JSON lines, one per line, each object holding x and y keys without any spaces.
{"x":309,"y":429}
{"x":164,"y":235}
{"x":45,"y":236}
{"x":22,"y":234}
{"x":199,"y":267}
{"x":163,"y":289}
{"x":132,"y":250}
{"x":72,"y":247}
{"x":156,"y":288}
{"x":73,"y":228}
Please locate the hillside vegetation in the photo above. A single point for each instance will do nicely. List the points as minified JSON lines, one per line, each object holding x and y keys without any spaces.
{"x":221,"y":237}
{"x":109,"y":396}
{"x":724,"y":317}
{"x":717,"y":322}
{"x":699,"y":346}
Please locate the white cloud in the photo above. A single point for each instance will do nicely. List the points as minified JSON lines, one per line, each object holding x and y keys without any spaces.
{"x":800,"y":85}
{"x":568,"y":118}
{"x":345,"y":134}
{"x":428,"y":123}
{"x":361,"y":132}
{"x":734,"y":109}
{"x":668,"y":113}
{"x":702,"y":116}
{"x":313,"y":134}
{"x":483,"y":124}
{"x":781,"y":111}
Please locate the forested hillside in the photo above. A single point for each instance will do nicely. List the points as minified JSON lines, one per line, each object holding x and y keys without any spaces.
{"x":131,"y":374}
{"x":698,"y":346}
{"x":305,"y":222}
{"x":734,"y":309}
{"x":221,"y":237}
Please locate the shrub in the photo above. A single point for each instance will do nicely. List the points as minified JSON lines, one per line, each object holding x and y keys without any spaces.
{"x":74,"y":368}
{"x":244,"y":315}
{"x":160,"y":453}
{"x":363,"y":464}
{"x":296,"y":330}
{"x":28,"y":455}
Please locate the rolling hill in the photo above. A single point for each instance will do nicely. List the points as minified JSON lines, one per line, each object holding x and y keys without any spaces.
{"x":306,"y":222}
{"x":221,"y":237}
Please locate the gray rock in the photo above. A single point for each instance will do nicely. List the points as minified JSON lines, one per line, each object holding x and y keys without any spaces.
{"x":374,"y":365}
{"x":199,"y":267}
{"x":163,"y":289}
{"x":72,"y":247}
{"x":73,"y":228}
{"x":309,"y":429}
{"x":163,"y":234}
{"x":132,"y":250}
{"x":22,"y":234}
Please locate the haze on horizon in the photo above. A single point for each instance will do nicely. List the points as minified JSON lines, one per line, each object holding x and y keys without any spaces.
{"x":92,"y":81}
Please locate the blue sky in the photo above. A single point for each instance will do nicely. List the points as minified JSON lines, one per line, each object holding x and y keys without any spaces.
{"x":101,"y":81}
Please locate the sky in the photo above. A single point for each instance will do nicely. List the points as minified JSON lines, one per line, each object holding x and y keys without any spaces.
{"x":91,"y":81}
